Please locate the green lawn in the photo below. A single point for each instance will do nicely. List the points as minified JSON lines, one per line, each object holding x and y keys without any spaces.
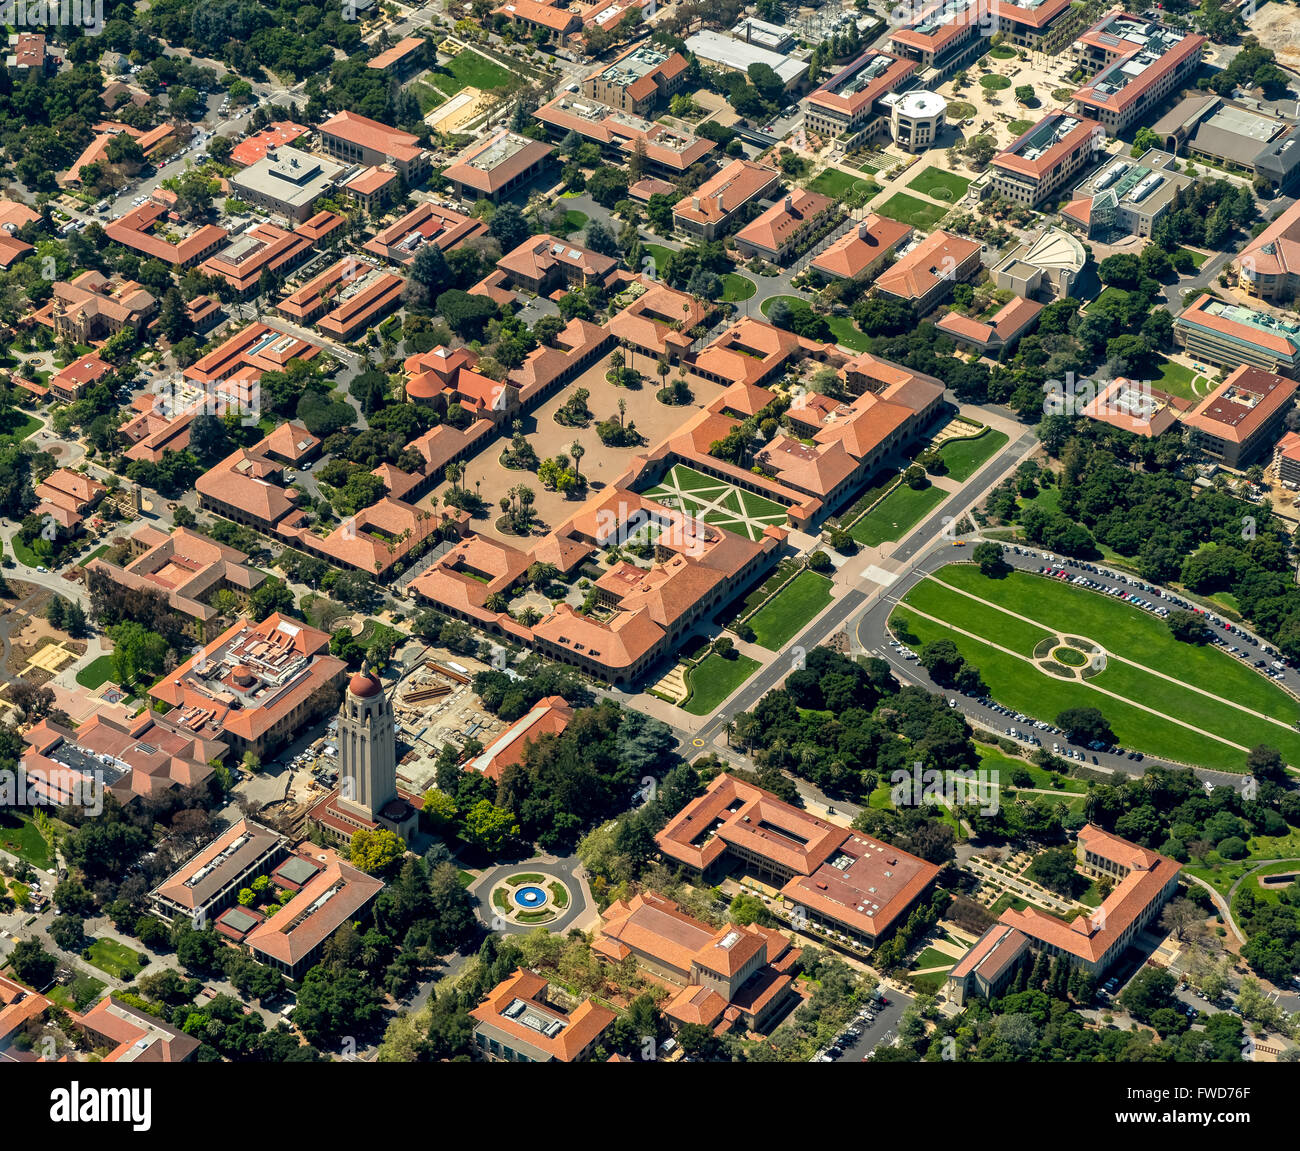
{"x":909,"y":210}
{"x":717,"y":502}
{"x":18,"y":836}
{"x":940,"y":185}
{"x":469,"y":69}
{"x":715,"y":678}
{"x":991,"y":759}
{"x":1198,"y":258}
{"x":1123,"y":631}
{"x":1178,"y":380}
{"x":834,"y":183}
{"x":79,"y":994}
{"x":574,"y":221}
{"x":965,"y":457}
{"x":791,"y":609}
{"x":994,"y":83}
{"x":1002,"y":52}
{"x":465,"y":877}
{"x":847,"y":335}
{"x":1019,"y":127}
{"x":17,"y":424}
{"x":25,"y":555}
{"x":99,"y":551}
{"x":960,"y":110}
{"x":428,"y":96}
{"x":525,"y":877}
{"x":116,"y":959}
{"x":896,"y":514}
{"x":930,"y":983}
{"x":736,"y":288}
{"x":932,"y":957}
{"x":96,"y":673}
{"x":660,"y":255}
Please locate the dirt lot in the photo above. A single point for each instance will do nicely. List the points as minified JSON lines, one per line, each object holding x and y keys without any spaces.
{"x":600,"y":464}
{"x":28,"y":635}
{"x":1278,"y":27}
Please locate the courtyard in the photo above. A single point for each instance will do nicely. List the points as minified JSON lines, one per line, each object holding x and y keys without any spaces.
{"x":717,"y":502}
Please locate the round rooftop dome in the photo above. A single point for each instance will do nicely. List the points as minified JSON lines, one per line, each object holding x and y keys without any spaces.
{"x":921,"y":104}
{"x":364,"y":685}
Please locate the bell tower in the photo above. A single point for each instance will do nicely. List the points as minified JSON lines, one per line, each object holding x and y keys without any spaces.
{"x":367,"y":747}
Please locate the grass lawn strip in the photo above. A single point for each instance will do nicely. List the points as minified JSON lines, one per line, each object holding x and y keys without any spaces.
{"x":940,"y":185}
{"x":715,"y":678}
{"x":909,"y":210}
{"x":791,"y":609}
{"x":965,"y":457}
{"x":934,"y":599}
{"x":896,"y":514}
{"x":116,"y":959}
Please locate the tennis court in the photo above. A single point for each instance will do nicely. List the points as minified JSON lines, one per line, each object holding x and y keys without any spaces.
{"x":717,"y":502}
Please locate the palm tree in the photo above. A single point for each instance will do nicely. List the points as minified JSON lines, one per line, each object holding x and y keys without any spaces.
{"x":617,"y":360}
{"x":729,"y":729}
{"x":577,"y":451}
{"x":622,"y":408}
{"x":496,"y":602}
{"x":454,"y":472}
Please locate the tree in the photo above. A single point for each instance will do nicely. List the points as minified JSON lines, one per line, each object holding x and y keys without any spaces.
{"x":989,"y":556}
{"x":492,"y":828}
{"x":942,"y":660}
{"x":1187,"y":627}
{"x":600,"y":239}
{"x":31,"y":963}
{"x":1025,"y":94}
{"x":1055,"y":870}
{"x":607,"y":186}
{"x":509,"y":227}
{"x":69,"y":933}
{"x":1265,"y":762}
{"x":1085,"y":725}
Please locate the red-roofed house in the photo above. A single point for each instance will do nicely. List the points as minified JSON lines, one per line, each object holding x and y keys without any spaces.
{"x":1043,"y":159}
{"x":131,"y":1036}
{"x":927,"y":274}
{"x":707,"y":211}
{"x":999,"y":333}
{"x":860,"y":253}
{"x":524,"y":1020}
{"x":776,"y":233}
{"x":549,"y":716}
{"x":360,"y":140}
{"x":849,"y":881}
{"x":1269,"y":266}
{"x":1243,"y":417}
{"x":1144,"y":881}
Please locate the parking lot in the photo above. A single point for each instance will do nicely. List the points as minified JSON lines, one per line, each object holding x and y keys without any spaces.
{"x":876,"y":1025}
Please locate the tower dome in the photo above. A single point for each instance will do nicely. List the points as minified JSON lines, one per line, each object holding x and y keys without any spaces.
{"x":364,"y":684}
